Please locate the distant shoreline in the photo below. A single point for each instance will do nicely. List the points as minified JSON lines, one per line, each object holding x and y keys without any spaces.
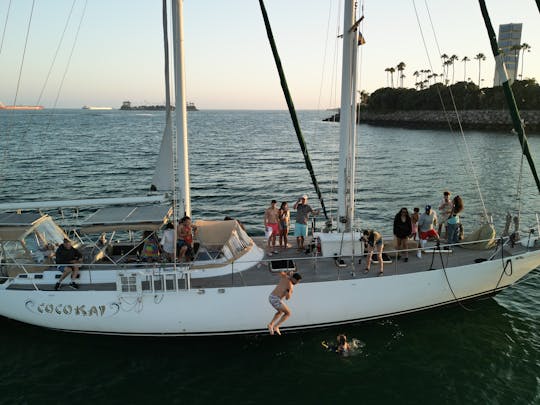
{"x":497,"y":120}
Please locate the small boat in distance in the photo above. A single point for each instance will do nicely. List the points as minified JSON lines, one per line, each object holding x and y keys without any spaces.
{"x":20,"y":107}
{"x":191,"y":106}
{"x":88,"y":107}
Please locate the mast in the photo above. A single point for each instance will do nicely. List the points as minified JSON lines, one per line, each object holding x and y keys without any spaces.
{"x":290,"y":105}
{"x":347,"y":127}
{"x":509,"y":95}
{"x":184,"y":203}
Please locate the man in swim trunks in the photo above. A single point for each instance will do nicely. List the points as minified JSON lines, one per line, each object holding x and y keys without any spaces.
{"x":283,"y":289}
{"x":426,"y":227}
{"x":271,"y":220}
{"x":303,"y":209}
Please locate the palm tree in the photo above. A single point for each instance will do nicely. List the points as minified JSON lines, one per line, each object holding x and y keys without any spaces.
{"x":416,"y":74}
{"x":392,"y":71}
{"x":465,"y":60}
{"x":524,"y":47}
{"x":387,"y":70}
{"x":401,"y":67}
{"x":452,"y":59}
{"x":480,"y":57}
{"x":444,"y":58}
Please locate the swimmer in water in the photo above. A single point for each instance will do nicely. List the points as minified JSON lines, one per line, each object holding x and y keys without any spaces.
{"x":342,"y":346}
{"x":283,"y":289}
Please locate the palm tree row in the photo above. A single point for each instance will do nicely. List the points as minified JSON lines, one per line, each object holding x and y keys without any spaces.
{"x":424,"y":78}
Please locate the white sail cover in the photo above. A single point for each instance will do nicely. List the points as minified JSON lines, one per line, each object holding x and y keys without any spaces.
{"x":163,"y":179}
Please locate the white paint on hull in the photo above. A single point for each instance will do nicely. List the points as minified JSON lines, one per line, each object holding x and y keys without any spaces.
{"x":239,"y":310}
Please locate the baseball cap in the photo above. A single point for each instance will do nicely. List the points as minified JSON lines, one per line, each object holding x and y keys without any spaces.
{"x":428,"y":207}
{"x":304,"y":196}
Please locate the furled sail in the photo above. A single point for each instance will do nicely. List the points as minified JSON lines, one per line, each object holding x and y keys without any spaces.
{"x":162,"y":179}
{"x":163,"y":175}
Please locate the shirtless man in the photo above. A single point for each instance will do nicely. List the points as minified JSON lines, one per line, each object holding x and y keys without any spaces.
{"x":271,"y":219}
{"x":283,"y":289}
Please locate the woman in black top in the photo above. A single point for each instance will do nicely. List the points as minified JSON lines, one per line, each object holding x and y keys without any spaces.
{"x":402,"y":231}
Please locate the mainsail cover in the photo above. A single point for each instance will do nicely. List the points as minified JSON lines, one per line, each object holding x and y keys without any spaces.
{"x":163,"y":174}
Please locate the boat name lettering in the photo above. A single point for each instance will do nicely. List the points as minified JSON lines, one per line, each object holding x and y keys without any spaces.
{"x":78,"y":310}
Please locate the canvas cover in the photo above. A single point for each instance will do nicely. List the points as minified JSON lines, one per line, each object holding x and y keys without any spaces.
{"x":141,"y":218}
{"x":13,"y":226}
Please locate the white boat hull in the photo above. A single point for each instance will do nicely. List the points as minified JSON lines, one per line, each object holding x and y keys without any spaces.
{"x":241,"y":310}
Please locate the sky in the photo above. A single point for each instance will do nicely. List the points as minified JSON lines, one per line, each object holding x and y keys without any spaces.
{"x":118,"y":53}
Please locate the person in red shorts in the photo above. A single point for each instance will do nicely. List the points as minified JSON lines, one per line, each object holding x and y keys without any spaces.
{"x":426,"y":227}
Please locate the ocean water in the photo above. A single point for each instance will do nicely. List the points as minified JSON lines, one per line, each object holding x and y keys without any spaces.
{"x":486,"y":352}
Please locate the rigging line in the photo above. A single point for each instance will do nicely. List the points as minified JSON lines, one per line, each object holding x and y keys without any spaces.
{"x":469,"y":157}
{"x":5,"y":26}
{"x":70,"y":55}
{"x":324,"y":55}
{"x":290,"y":105}
{"x":56,"y":53}
{"x":24,"y":53}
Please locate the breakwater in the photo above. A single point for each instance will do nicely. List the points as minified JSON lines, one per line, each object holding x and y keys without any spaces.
{"x":498,"y":120}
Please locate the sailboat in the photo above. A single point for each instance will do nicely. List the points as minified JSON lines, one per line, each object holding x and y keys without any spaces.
{"x":224,"y":290}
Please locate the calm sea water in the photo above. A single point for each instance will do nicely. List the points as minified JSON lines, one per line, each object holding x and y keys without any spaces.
{"x":240,"y":160}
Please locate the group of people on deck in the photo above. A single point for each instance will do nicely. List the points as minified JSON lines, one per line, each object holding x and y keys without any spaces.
{"x":154,"y":250}
{"x":277,"y":222}
{"x":418,"y":227}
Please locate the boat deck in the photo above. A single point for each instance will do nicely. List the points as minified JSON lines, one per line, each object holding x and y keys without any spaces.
{"x":309,"y":264}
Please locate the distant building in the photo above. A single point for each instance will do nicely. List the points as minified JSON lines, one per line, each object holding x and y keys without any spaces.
{"x":509,"y":35}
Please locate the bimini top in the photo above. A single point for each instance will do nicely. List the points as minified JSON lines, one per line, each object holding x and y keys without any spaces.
{"x":14,"y":226}
{"x":144,"y":218}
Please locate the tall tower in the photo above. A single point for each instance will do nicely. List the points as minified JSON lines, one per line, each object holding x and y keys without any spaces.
{"x":509,"y":35}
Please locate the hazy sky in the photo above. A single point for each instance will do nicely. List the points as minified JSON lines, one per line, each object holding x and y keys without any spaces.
{"x":118,"y":54}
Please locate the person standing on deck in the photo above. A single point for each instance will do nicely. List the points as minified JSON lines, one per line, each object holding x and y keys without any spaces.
{"x":271,"y":221}
{"x":303,"y":209}
{"x":373,"y":240}
{"x":445,"y":209}
{"x":426,"y":227}
{"x":402,"y":231}
{"x":284,"y":289}
{"x":284,"y":224}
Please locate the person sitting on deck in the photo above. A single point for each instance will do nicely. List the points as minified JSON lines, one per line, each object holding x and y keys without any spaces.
{"x":151,"y":249}
{"x":185,"y":239}
{"x":67,"y":259}
{"x":167,"y":242}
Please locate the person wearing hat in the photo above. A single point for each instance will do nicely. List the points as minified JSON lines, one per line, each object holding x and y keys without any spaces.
{"x":426,"y":226}
{"x":303,"y":209}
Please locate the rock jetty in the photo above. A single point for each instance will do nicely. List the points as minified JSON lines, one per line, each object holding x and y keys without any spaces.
{"x":498,"y":120}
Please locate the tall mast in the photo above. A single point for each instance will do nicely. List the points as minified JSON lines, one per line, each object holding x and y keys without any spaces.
{"x":347,"y":128}
{"x":181,"y":113}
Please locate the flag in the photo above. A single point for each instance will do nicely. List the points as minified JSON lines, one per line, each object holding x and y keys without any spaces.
{"x":361,"y":40}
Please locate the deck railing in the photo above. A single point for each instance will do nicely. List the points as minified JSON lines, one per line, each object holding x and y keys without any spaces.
{"x":159,"y":277}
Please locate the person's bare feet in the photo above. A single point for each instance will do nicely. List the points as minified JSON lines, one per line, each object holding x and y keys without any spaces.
{"x":271,"y":328}
{"x":277,"y":331}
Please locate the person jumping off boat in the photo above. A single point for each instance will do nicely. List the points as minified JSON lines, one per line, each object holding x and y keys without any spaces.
{"x":283,"y":289}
